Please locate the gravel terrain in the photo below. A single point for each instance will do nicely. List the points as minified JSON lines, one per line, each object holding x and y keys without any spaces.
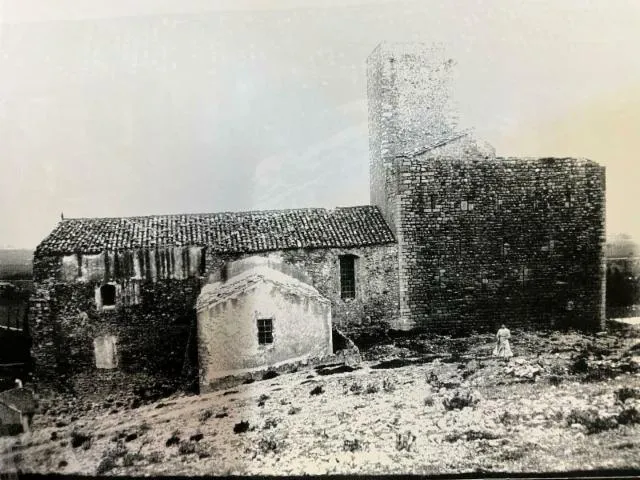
{"x":421,"y":404}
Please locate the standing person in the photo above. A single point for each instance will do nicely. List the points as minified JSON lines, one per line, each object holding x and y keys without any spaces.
{"x":503,"y":349}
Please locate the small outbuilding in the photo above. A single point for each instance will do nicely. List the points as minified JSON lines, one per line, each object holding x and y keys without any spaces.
{"x":259,"y":314}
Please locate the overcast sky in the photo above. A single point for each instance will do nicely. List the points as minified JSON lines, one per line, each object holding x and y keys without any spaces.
{"x":117,"y":108}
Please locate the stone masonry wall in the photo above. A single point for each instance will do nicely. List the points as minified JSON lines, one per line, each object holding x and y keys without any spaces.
{"x":410,"y":108}
{"x":154,"y":318}
{"x":480,"y":240}
{"x":228,"y":332}
{"x":515,"y":241}
{"x":155,"y":335}
{"x":376,"y":301}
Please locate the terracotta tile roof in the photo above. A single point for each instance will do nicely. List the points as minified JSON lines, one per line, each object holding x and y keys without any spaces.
{"x":240,"y":232}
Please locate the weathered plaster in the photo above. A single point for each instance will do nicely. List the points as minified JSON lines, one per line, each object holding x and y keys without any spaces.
{"x":227,"y":323}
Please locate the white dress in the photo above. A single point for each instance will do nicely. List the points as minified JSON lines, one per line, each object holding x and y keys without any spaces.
{"x":503,"y":349}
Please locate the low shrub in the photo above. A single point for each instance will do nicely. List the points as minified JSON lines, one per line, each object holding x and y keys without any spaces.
{"x":557,"y":370}
{"x":591,"y":420}
{"x":579,"y":365}
{"x":459,"y":400}
{"x":223,"y":413}
{"x":144,"y":427}
{"x":356,"y":388}
{"x":428,"y":401}
{"x":388,"y":385}
{"x":186,"y":448}
{"x":205,"y":415}
{"x":471,"y":435}
{"x":155,"y":457}
{"x":294,"y":410}
{"x":270,"y":423}
{"x":130,"y":459}
{"x":629,"y":416}
{"x":79,"y":439}
{"x":626,"y":393}
{"x":241,"y":427}
{"x":433,"y":380}
{"x":555,"y":380}
{"x":511,"y":454}
{"x":317,"y":390}
{"x":405,"y":441}
{"x":372,"y":388}
{"x":352,"y":445}
{"x":342,"y":416}
{"x":269,"y":444}
{"x":106,"y":465}
{"x":119,"y":450}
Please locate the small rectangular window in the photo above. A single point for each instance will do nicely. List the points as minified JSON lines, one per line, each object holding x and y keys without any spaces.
{"x":568,"y":199}
{"x":265,"y":331}
{"x":108,"y":295}
{"x":347,"y":276}
{"x":105,"y":352}
{"x":432,"y":199}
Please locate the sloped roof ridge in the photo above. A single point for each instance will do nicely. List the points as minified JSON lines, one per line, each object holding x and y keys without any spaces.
{"x":224,"y":212}
{"x":232,"y":232}
{"x":214,"y":293}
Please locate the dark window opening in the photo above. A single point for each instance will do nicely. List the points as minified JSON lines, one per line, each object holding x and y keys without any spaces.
{"x":265,"y":331}
{"x":108,"y":295}
{"x":224,"y":272}
{"x":432,"y":199}
{"x":203,"y":260}
{"x":347,"y":276}
{"x":569,"y":199}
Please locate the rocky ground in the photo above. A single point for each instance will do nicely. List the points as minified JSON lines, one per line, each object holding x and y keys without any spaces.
{"x":422,"y":405}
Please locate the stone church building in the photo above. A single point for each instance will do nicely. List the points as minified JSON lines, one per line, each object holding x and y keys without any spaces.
{"x":455,"y":239}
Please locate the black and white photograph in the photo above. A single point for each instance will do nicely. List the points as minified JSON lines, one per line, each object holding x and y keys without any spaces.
{"x":319,"y":238}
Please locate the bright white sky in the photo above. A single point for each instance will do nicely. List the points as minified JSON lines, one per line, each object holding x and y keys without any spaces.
{"x":234,"y":105}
